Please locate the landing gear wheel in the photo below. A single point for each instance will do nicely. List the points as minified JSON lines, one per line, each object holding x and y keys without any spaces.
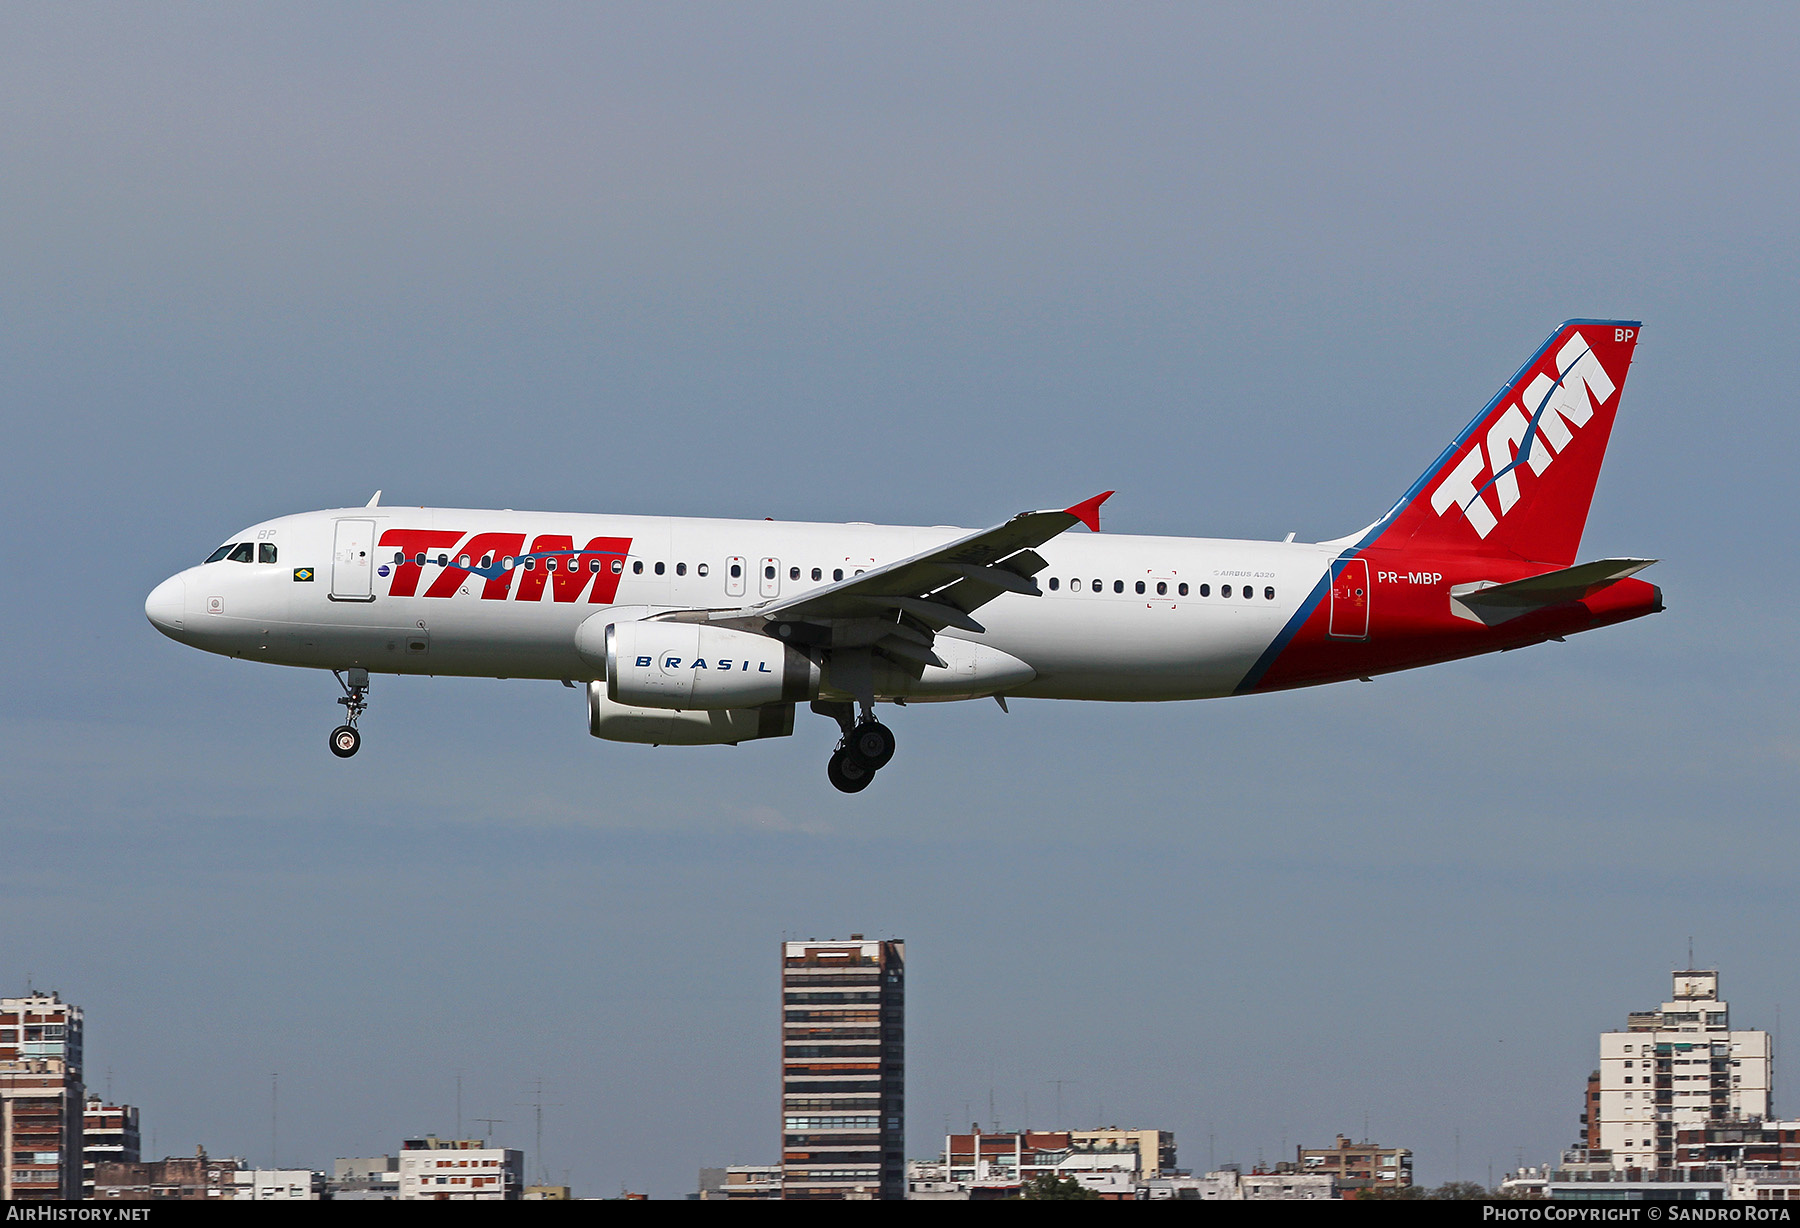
{"x":345,"y":741}
{"x":847,"y":773}
{"x":873,"y":743}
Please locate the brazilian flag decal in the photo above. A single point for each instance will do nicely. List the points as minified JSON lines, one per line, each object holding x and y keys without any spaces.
{"x":303,"y":574}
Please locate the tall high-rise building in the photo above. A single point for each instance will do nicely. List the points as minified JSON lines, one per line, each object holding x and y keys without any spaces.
{"x":40,"y":1098}
{"x":1677,"y":1069}
{"x":843,"y":1069}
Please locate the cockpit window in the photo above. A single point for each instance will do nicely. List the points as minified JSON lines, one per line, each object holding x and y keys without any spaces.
{"x":265,"y":552}
{"x":243,"y":552}
{"x":220,"y":553}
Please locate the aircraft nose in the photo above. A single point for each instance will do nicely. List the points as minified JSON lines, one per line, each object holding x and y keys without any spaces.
{"x":166,"y":606}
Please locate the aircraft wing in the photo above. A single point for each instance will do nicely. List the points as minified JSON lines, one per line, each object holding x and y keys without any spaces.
{"x":901,"y":605}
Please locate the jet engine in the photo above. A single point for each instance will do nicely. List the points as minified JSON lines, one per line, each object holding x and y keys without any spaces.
{"x":618,"y":722}
{"x":691,"y":666}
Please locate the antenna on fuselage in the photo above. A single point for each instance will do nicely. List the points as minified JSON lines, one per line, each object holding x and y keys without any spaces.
{"x":374,"y":500}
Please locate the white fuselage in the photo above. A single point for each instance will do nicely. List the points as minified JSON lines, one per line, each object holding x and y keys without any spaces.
{"x":1091,"y":635}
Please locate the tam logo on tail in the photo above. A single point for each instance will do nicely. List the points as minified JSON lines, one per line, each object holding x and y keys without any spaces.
{"x":1558,"y":408}
{"x":1520,"y":477}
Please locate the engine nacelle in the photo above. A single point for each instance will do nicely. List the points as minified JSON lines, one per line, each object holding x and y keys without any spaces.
{"x":662,"y":727}
{"x":691,"y":666}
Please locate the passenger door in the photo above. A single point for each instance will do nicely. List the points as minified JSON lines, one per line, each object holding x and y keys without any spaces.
{"x":769,"y":577}
{"x":1350,"y":602}
{"x":353,"y":561}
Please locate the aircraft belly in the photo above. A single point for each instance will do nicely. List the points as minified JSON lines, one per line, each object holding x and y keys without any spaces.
{"x":1129,"y":651}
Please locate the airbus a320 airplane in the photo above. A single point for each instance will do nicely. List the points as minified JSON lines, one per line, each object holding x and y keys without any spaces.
{"x":703,"y":632}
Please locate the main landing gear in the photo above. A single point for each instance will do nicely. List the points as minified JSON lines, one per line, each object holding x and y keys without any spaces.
{"x":866,"y":748}
{"x":345,"y":740}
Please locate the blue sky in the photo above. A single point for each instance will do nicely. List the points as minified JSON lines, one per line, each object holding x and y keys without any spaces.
{"x":916,"y":264}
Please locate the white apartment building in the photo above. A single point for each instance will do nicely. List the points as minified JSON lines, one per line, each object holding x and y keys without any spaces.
{"x":277,"y":1185}
{"x":1676,"y":1069}
{"x":459,"y":1170}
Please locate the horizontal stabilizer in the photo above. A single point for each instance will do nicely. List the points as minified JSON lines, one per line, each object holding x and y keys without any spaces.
{"x":1485,"y":601}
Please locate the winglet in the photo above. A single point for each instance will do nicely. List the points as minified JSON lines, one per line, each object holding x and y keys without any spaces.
{"x":1088,"y":510}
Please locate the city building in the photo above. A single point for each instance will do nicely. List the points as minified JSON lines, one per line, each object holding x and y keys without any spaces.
{"x":1676,"y":1069}
{"x":364,"y":1179}
{"x":1591,"y":1176}
{"x":109,"y":1132}
{"x":843,"y":1069}
{"x":459,"y":1170}
{"x":195,"y":1178}
{"x":740,"y":1182}
{"x":1358,"y":1166}
{"x":1739,"y":1145}
{"x":1113,"y":1163}
{"x":277,"y":1185}
{"x":41,"y":1098}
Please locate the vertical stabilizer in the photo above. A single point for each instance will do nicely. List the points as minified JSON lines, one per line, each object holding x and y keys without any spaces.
{"x":1519,"y":479}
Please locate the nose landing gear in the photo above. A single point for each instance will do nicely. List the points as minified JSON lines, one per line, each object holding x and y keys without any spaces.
{"x":866,"y":748}
{"x":345,"y":740}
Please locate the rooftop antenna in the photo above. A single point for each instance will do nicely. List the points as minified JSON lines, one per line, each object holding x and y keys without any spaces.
{"x":490,"y":1123}
{"x":274,"y":1115}
{"x":1058,"y":1084}
{"x":537,"y":1107}
{"x":459,"y":1132}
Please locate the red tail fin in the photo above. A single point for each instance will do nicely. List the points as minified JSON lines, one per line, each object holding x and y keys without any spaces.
{"x":1520,"y":477}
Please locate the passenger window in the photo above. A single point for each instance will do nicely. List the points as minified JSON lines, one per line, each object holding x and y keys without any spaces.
{"x":768,"y":573}
{"x":265,"y":552}
{"x":1268,"y":594}
{"x":509,"y":562}
{"x":817,"y":574}
{"x":837,"y":573}
{"x":701,"y":569}
{"x":1182,"y":588}
{"x":1074,"y":586}
{"x":550,"y":565}
{"x":419,"y":559}
{"x":681,"y":569}
{"x":1054,"y":582}
{"x":241,"y":553}
{"x":224,"y":550}
{"x":1140,"y":586}
{"x":462,"y":561}
{"x":618,"y":566}
{"x":530,"y":563}
{"x":736,"y":571}
{"x":1099,"y":586}
{"x":1206,"y":590}
{"x":1118,"y":586}
{"x":593,"y":567}
{"x":1249,"y":592}
{"x":487,"y":560}
{"x":637,"y":568}
{"x":399,"y":558}
{"x":1224,"y":590}
{"x":1162,"y":588}
{"x":793,"y":573}
{"x":659,"y":569}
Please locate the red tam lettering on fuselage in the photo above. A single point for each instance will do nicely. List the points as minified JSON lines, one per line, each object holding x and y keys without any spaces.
{"x":570,"y":574}
{"x":411,"y":543}
{"x":497,"y":546}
